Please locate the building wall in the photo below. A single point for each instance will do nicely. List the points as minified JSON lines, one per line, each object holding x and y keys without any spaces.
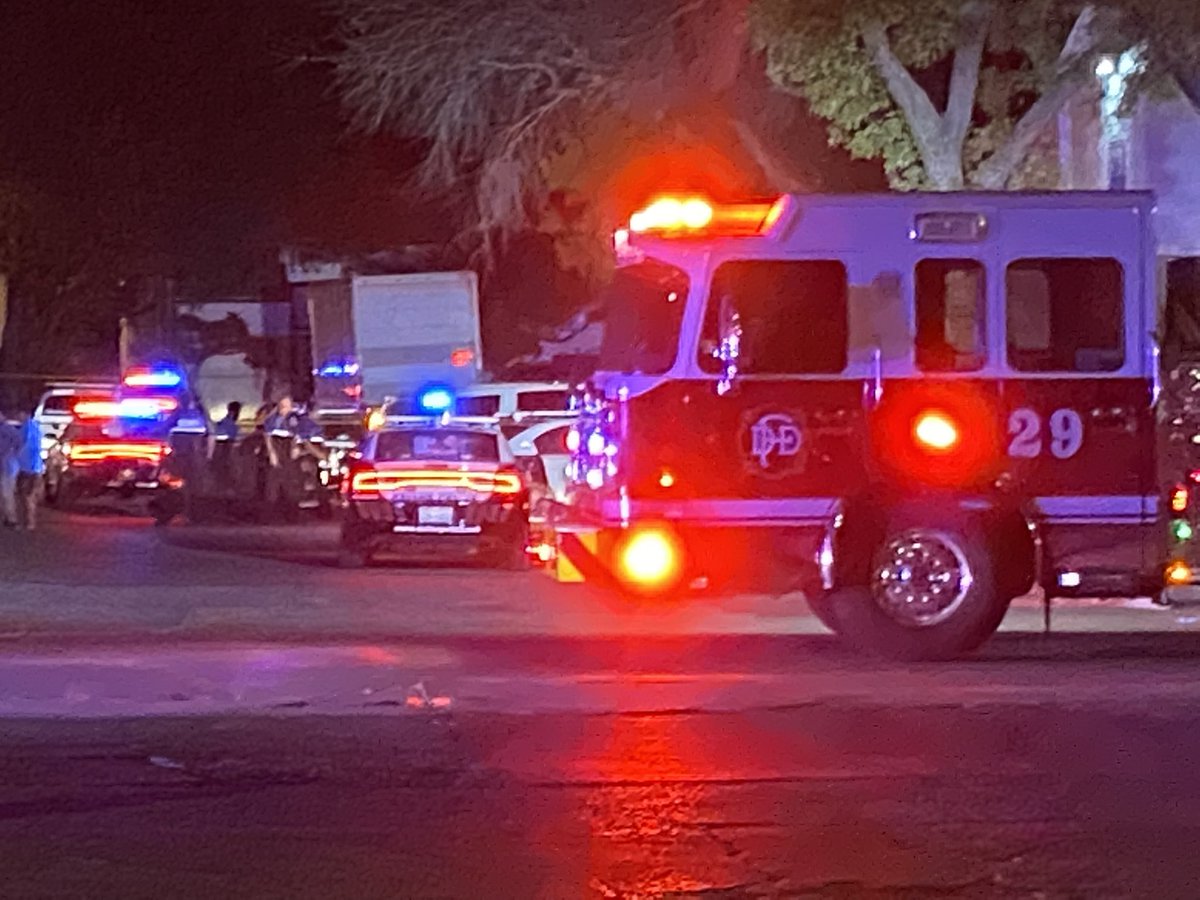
{"x":1165,"y":158}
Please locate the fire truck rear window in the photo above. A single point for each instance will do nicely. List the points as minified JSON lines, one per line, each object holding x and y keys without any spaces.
{"x":1065,"y":315}
{"x":793,"y":317}
{"x":951,"y":311}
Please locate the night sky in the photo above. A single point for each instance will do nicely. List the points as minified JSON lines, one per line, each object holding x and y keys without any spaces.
{"x":183,"y":121}
{"x":187,"y":125}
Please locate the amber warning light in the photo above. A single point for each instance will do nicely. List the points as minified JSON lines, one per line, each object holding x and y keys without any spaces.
{"x":686,"y":216}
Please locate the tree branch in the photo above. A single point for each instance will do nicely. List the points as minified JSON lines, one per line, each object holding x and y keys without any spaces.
{"x":778,"y":171}
{"x":964,"y":76}
{"x":1072,"y":72}
{"x":912,"y":99}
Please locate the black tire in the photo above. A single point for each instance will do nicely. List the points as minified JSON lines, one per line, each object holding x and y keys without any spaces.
{"x":970,"y":617}
{"x":352,"y":558}
{"x":354,"y":550}
{"x":511,"y":558}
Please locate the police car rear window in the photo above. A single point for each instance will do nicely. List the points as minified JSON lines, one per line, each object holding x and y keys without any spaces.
{"x":541,"y":401}
{"x":1065,"y":315}
{"x":792,"y":315}
{"x":436,"y":445}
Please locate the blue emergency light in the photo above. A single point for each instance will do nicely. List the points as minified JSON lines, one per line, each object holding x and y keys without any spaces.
{"x":153,"y":378}
{"x":338,"y":369}
{"x":144,"y":407}
{"x":436,"y":399}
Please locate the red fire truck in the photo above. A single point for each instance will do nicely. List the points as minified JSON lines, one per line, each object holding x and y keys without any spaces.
{"x":914,"y":407}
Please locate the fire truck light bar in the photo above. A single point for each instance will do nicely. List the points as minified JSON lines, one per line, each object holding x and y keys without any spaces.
{"x":695,"y":216}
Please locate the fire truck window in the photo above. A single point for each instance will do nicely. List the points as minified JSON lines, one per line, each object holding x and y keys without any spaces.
{"x":951,"y":311}
{"x":1065,"y":315}
{"x":643,"y":308}
{"x":794,"y":317}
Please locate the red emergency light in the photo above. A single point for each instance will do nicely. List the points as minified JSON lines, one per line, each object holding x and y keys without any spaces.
{"x":941,"y":435}
{"x":698,"y":217}
{"x":95,"y":409}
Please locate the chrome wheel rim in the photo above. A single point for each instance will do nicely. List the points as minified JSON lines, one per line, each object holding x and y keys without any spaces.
{"x":920,"y":578}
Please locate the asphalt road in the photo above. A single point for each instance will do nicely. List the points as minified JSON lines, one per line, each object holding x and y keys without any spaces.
{"x":114,"y":575}
{"x":223,"y":713}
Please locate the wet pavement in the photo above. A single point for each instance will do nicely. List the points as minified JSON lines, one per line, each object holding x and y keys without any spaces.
{"x":847,"y":802}
{"x":223,"y":713}
{"x":100,"y":574}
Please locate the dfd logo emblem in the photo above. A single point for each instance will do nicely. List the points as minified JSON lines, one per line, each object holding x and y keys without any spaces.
{"x":775,"y":444}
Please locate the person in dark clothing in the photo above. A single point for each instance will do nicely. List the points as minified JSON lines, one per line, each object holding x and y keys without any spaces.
{"x":221,"y":447}
{"x":280,"y":442}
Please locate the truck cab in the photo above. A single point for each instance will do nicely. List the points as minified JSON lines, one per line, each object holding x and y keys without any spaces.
{"x":915,"y":407}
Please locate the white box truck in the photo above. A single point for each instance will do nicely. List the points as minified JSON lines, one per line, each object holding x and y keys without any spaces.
{"x":391,"y":335}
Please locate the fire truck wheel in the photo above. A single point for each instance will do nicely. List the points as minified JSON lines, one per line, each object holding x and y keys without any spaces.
{"x":931,"y":594}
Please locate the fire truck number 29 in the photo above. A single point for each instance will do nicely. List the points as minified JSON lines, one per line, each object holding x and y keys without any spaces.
{"x":1025,"y":428}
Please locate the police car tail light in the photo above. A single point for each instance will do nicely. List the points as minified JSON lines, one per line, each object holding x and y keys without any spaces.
{"x":697,"y":216}
{"x":1179,"y":499}
{"x":650,"y":560}
{"x":98,"y":452}
{"x":503,"y":481}
{"x":936,"y":431}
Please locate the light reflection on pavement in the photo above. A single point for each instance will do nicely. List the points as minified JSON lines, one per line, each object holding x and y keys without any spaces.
{"x":235,"y":717}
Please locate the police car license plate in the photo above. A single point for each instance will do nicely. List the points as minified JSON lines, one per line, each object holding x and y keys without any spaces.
{"x":435,"y":515}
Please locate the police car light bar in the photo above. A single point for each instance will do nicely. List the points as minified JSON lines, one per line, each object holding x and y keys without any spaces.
{"x":335,"y":369}
{"x":159,"y":378}
{"x":144,"y":407}
{"x":95,"y":409}
{"x":436,"y":399}
{"x":695,"y":216}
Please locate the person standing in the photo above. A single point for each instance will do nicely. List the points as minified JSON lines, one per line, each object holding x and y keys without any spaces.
{"x":10,"y":467}
{"x":30,"y":468}
{"x":221,"y":445}
{"x":280,"y":428}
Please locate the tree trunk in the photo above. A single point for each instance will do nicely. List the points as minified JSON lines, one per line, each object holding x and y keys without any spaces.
{"x":942,"y":158}
{"x":939,"y":136}
{"x":1074,"y":73}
